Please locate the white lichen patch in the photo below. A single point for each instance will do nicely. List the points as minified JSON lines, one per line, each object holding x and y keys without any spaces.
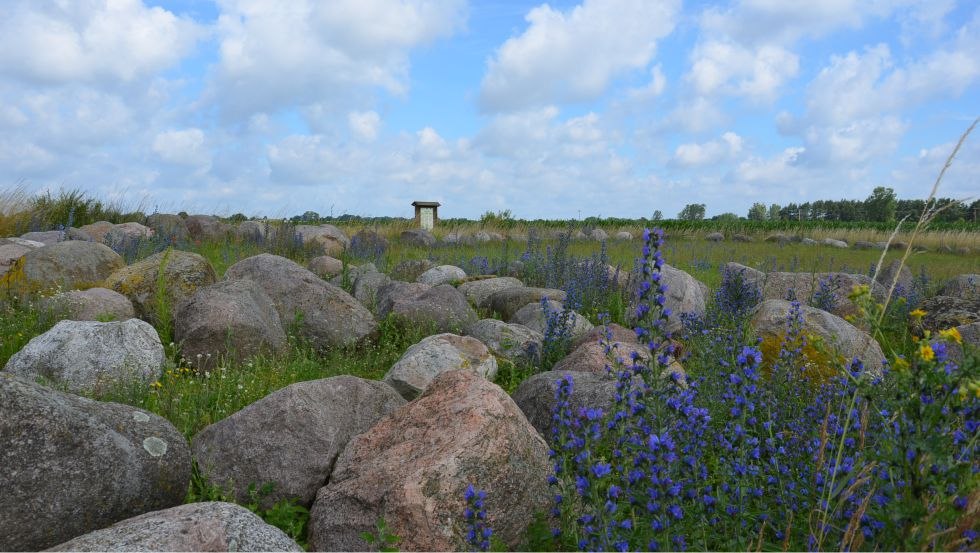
{"x":155,"y":446}
{"x":140,"y":417}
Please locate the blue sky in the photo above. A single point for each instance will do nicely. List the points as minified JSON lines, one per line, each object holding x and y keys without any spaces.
{"x":558,"y":110}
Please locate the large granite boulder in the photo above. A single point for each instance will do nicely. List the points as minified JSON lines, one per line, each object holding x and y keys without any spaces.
{"x":419,"y":238}
{"x":441,"y":307}
{"x":208,"y":526}
{"x":180,"y":273}
{"x":944,"y":312}
{"x":424,"y":361}
{"x":514,"y":342}
{"x":46,"y":237}
{"x":410,"y":269}
{"x":326,"y":315}
{"x":768,"y":321}
{"x":533,"y":316}
{"x":73,"y":465}
{"x":443,"y":274}
{"x":478,"y":292}
{"x":325,"y":239}
{"x":93,"y":304}
{"x":829,"y":291}
{"x":962,"y":286}
{"x":325,"y":266}
{"x":231,"y":320}
{"x":368,"y":244}
{"x":506,"y":302}
{"x":96,"y":231}
{"x":12,"y":249}
{"x":904,"y":283}
{"x":367,"y":285}
{"x":92,"y":357}
{"x":536,"y":397}
{"x":127,"y":237}
{"x":291,"y":437}
{"x":66,"y":265}
{"x":252,"y":231}
{"x":206,"y":228}
{"x":169,"y":227}
{"x":412,"y":468}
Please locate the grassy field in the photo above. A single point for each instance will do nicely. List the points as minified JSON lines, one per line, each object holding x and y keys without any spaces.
{"x":815,"y":426}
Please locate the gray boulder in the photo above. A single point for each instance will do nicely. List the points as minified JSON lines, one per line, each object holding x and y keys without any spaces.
{"x":326,"y":239}
{"x":904,"y":283}
{"x":685,"y":294}
{"x":291,"y":437}
{"x":944,"y":312}
{"x":443,"y":274}
{"x":127,"y":236}
{"x":12,"y":249}
{"x":328,"y":316}
{"x":92,"y":357}
{"x":205,"y":227}
{"x":168,"y":227}
{"x":412,"y":468}
{"x":533,"y":316}
{"x":834,"y":243}
{"x":962,"y":286}
{"x":68,"y":265}
{"x":252,"y":231}
{"x":829,"y":290}
{"x":424,"y":361}
{"x":367,"y":285}
{"x":209,"y":526}
{"x":768,"y":321}
{"x":368,"y":243}
{"x":513,"y":342}
{"x":808,"y":242}
{"x":231,"y":319}
{"x":624,"y":235}
{"x":536,"y":397}
{"x":96,"y":231}
{"x":418,"y":237}
{"x":72,"y":465}
{"x":442,"y":307}
{"x":180,"y":274}
{"x":714,"y":237}
{"x":410,"y":269}
{"x":478,"y":292}
{"x":89,"y":305}
{"x":506,"y":302}
{"x":47,"y":237}
{"x":742,"y":238}
{"x":325,"y":266}
{"x":599,"y":235}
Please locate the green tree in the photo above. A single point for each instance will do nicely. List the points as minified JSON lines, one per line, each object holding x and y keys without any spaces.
{"x":774,"y":210}
{"x":758,"y":212}
{"x":692,"y":212}
{"x":881,"y":205}
{"x":657,"y":215}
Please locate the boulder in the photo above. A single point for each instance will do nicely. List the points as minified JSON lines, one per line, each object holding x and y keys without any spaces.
{"x":514,"y":342}
{"x":208,"y":526}
{"x":865,"y":245}
{"x":905,"y":282}
{"x":410,"y":269}
{"x":368,"y":244}
{"x":970,"y":338}
{"x":778,"y":238}
{"x":89,"y":305}
{"x":424,"y":361}
{"x":442,"y":307}
{"x":944,"y":312}
{"x":962,"y":286}
{"x":169,"y":227}
{"x":624,"y":235}
{"x":412,"y":468}
{"x":599,"y":235}
{"x":808,"y":242}
{"x":96,"y":231}
{"x":597,"y":334}
{"x":367,"y":285}
{"x":325,"y":266}
{"x":419,"y":238}
{"x":742,"y":238}
{"x":828,"y":290}
{"x":182,"y":274}
{"x":12,"y":249}
{"x":326,"y":315}
{"x":72,"y":465}
{"x":685,"y":294}
{"x":92,"y":357}
{"x":452,"y":238}
{"x":715,"y":237}
{"x":506,"y":302}
{"x":768,"y":321}
{"x":326,"y":239}
{"x":231,"y":319}
{"x":291,"y":437}
{"x":205,"y":227}
{"x":533,"y":316}
{"x":478,"y":292}
{"x":47,"y":237}
{"x":536,"y":397}
{"x":443,"y":274}
{"x":127,"y":237}
{"x":68,"y":265}
{"x":833,"y":243}
{"x":252,"y":231}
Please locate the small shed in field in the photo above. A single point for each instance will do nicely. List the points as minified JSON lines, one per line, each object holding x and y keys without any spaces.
{"x":426,"y":214}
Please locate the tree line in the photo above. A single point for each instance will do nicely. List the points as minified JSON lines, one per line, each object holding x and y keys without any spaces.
{"x":881,"y":206}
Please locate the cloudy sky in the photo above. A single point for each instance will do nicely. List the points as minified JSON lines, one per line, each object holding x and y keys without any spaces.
{"x":557,"y":110}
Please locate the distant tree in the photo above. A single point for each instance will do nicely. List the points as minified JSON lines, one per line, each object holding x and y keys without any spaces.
{"x":974,"y":211}
{"x":310,"y":217}
{"x":774,"y":212}
{"x":692,"y":212}
{"x":758,"y":212}
{"x":238,"y":218}
{"x":657,"y":215}
{"x":726,"y":217}
{"x":881,"y":205}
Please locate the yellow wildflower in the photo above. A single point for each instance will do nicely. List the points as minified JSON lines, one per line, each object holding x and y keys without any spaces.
{"x":917,"y":313}
{"x":926,"y":353}
{"x":952,"y":335}
{"x":156,"y":384}
{"x":901,"y":364}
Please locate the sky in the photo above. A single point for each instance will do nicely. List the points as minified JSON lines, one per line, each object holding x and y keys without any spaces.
{"x":562,"y":110}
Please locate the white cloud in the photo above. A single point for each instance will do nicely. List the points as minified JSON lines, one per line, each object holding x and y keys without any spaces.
{"x":183,"y":147}
{"x":364,"y":124}
{"x":574,"y":56}
{"x":273,"y":56}
{"x":714,"y":151}
{"x":90,"y":40}
{"x":728,"y":67}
